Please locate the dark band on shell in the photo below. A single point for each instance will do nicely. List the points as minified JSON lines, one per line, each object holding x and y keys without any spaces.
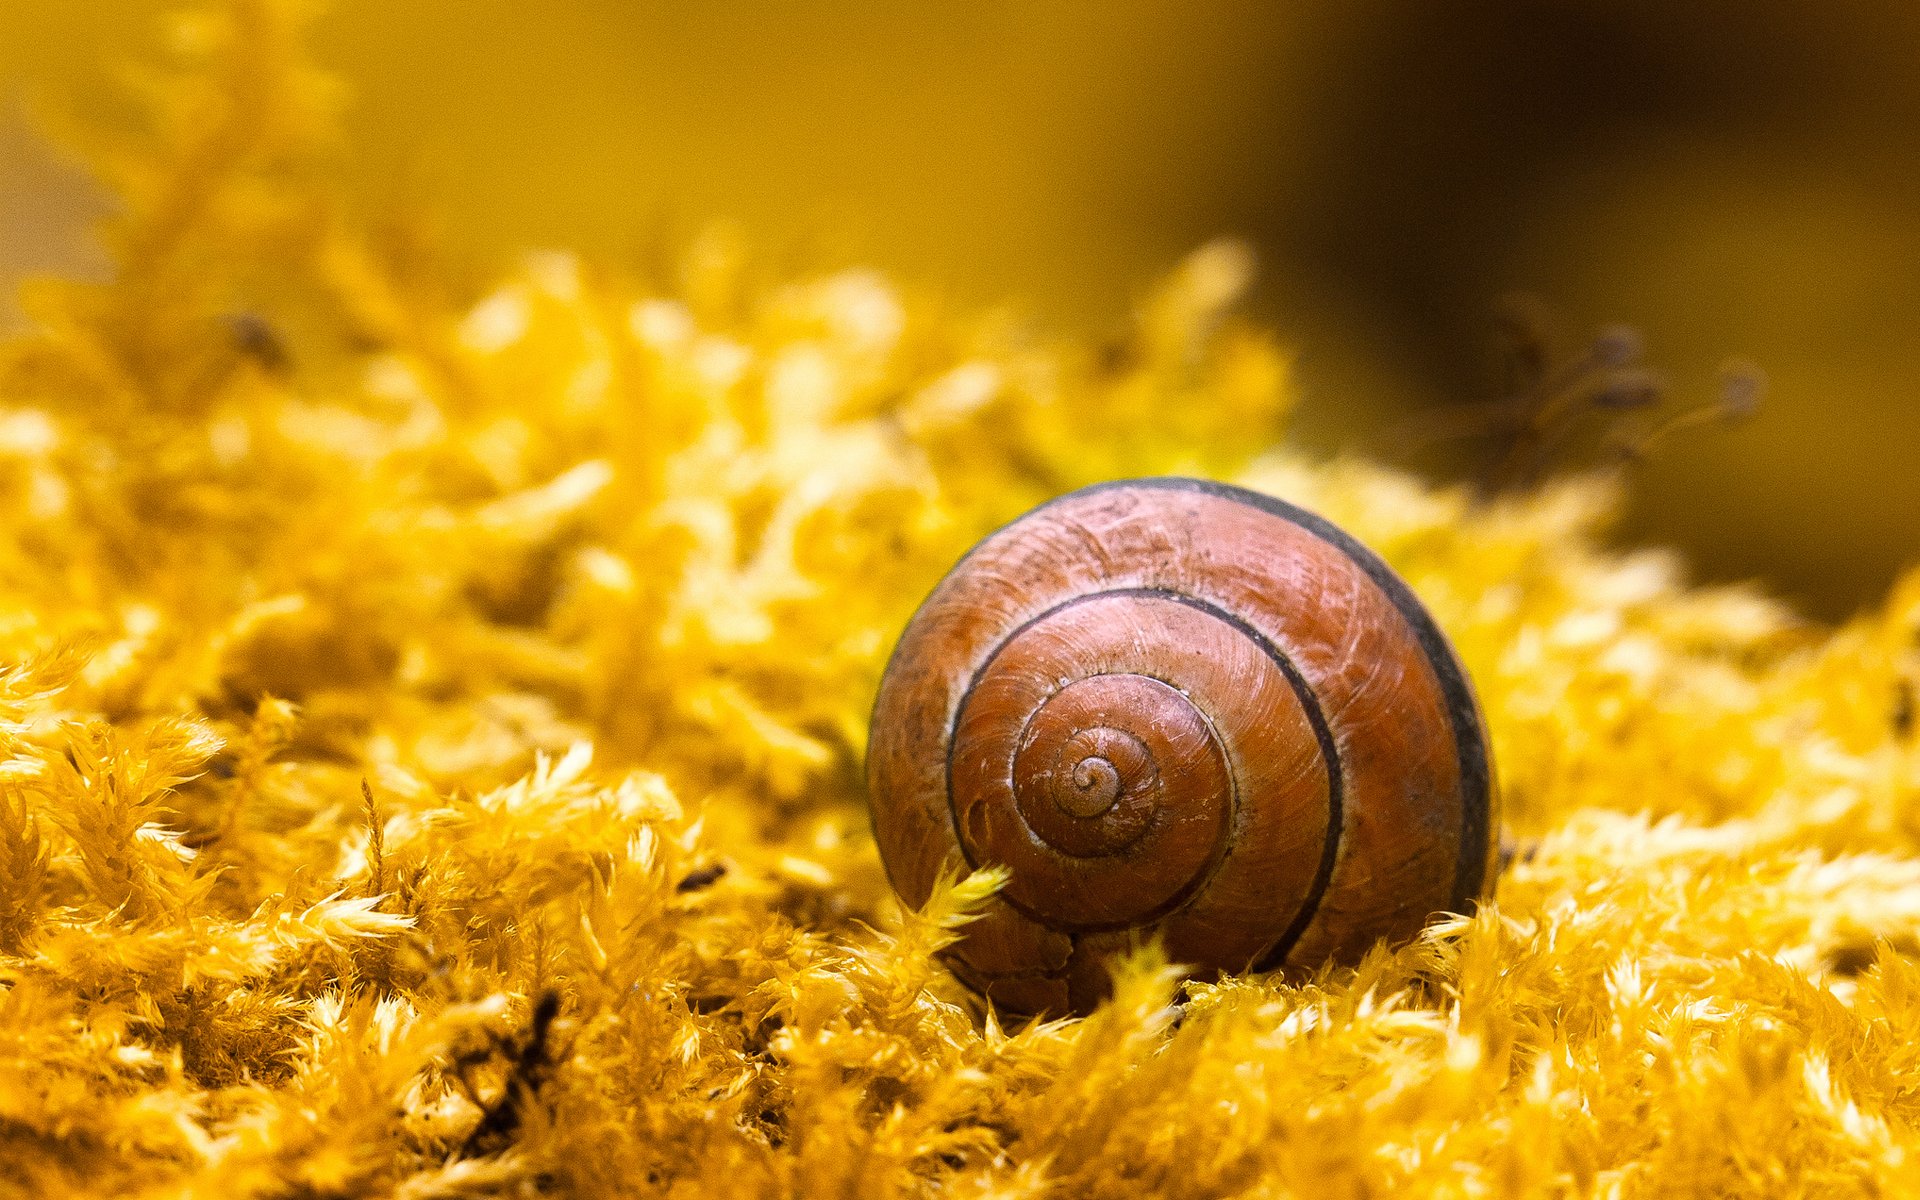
{"x":1176,"y":706}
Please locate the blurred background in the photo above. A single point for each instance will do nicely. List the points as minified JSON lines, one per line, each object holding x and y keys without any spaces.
{"x":1730,"y":179}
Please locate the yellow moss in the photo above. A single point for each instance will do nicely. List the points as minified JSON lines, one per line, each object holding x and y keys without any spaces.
{"x":431,"y":754}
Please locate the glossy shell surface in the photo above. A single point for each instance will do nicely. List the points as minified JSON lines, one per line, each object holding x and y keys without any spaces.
{"x":1178,"y":707}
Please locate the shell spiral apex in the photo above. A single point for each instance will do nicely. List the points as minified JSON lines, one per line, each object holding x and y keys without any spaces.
{"x":1177,"y":707}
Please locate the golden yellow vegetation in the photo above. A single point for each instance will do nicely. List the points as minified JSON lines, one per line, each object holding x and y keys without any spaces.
{"x":433,"y":728}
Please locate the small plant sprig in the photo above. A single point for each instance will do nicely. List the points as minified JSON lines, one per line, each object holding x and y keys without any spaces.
{"x":1601,"y":401}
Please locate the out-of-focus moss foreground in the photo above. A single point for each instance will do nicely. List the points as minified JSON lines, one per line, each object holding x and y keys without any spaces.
{"x":1732,"y":179}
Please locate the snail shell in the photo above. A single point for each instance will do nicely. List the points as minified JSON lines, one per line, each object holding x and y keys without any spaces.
{"x":1178,"y":707}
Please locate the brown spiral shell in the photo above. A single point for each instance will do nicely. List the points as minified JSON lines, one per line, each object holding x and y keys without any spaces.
{"x":1176,"y":706}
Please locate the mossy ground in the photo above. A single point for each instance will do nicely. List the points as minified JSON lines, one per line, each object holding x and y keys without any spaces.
{"x":433,"y":729}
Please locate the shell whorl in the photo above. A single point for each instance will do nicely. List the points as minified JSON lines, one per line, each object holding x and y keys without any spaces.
{"x":1177,"y":707}
{"x":1128,"y":694}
